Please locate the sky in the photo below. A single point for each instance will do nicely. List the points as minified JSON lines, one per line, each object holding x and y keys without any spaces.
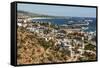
{"x":58,"y":10}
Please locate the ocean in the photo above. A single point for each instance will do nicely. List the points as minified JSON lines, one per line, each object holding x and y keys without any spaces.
{"x":60,"y":21}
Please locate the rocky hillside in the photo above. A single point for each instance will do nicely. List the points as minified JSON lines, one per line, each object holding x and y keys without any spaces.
{"x":33,"y":50}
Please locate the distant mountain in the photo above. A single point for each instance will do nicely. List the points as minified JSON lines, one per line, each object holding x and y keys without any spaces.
{"x":39,"y":15}
{"x":28,"y":13}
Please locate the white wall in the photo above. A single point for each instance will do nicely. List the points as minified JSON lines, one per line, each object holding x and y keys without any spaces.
{"x":5,"y":34}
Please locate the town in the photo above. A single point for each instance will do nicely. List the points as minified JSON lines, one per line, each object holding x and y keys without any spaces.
{"x":70,"y":41}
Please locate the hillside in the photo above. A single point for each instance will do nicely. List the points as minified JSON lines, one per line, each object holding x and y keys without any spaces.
{"x":39,"y":15}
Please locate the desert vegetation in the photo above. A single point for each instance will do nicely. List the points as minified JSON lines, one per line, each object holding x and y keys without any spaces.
{"x":33,"y":50}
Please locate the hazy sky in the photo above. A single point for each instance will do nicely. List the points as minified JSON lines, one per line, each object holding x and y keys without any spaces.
{"x":58,"y":10}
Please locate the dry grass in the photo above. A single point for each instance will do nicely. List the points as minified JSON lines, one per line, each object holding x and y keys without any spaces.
{"x":33,"y":50}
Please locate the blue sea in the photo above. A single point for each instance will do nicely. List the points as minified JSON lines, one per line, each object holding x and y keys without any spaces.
{"x":60,"y":21}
